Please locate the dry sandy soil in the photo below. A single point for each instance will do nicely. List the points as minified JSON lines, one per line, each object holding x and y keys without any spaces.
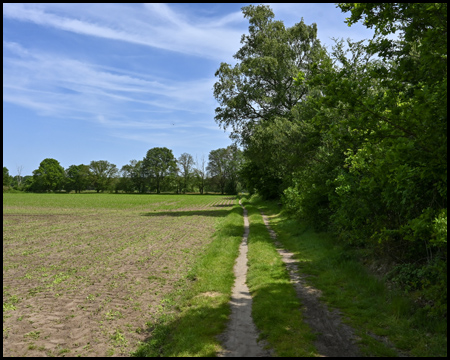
{"x":86,"y":282}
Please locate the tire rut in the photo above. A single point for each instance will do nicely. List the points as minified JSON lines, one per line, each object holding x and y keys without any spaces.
{"x":240,"y":337}
{"x":334,"y":338}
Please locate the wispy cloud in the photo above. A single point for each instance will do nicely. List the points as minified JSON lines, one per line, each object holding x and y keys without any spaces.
{"x":64,"y":87}
{"x":155,"y":25}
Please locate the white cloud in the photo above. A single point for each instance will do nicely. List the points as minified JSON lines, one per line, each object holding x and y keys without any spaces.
{"x":155,"y":25}
{"x":64,"y":87}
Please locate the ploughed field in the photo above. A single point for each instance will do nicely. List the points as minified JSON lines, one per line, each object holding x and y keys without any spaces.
{"x":84,"y":273}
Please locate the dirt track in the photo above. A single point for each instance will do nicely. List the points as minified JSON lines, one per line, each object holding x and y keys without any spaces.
{"x":334,"y":338}
{"x":240,"y":338}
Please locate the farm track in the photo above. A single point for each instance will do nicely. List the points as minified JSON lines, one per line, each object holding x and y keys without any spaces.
{"x":85,"y":282}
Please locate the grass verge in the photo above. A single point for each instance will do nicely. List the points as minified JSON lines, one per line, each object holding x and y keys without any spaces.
{"x":196,"y":312}
{"x":383,"y":318}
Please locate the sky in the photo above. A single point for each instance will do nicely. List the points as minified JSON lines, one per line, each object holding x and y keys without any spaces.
{"x":85,"y":82}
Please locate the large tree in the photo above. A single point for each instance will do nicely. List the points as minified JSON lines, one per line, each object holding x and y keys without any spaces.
{"x":133,"y":177}
{"x":217,"y":167}
{"x":224,"y":168}
{"x":77,"y":178}
{"x":186,"y":164}
{"x":50,"y":176}
{"x":158,"y":164}
{"x":261,"y":88}
{"x":102,"y":173}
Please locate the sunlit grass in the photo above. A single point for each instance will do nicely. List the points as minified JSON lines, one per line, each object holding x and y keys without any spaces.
{"x":276,"y":309}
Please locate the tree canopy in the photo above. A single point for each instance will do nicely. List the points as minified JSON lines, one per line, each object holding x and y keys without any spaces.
{"x":158,"y":164}
{"x":49,"y":176}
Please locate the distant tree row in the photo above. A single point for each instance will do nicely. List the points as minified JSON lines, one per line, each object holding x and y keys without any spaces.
{"x":159,"y":171}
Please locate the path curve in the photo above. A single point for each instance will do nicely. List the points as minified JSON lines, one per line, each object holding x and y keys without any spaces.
{"x":240,"y":337}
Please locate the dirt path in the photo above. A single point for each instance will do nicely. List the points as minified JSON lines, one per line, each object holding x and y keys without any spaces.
{"x":240,"y":338}
{"x":334,"y":338}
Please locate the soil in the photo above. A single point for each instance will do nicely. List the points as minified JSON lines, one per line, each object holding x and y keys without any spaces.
{"x":85,"y":282}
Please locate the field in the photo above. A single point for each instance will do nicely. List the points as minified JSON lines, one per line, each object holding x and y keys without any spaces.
{"x":84,"y":273}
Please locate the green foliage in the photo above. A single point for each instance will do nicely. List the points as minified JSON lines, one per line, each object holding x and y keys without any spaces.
{"x":77,"y":178}
{"x":6,"y":177}
{"x":186,"y":163}
{"x":350,"y":143}
{"x":258,"y":94}
{"x":102,"y":173}
{"x":158,"y":164}
{"x":224,"y":169}
{"x":133,"y":177}
{"x":427,"y":283}
{"x":50,"y":176}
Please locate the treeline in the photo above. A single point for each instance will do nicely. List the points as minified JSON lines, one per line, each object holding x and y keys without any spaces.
{"x":352,"y":140}
{"x":159,"y":171}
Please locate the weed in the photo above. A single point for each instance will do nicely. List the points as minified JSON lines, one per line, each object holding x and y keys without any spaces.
{"x":63,"y":351}
{"x":112,"y":315}
{"x":33,"y":335}
{"x":118,"y":338}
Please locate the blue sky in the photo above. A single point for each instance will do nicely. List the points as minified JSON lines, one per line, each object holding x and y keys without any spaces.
{"x":85,"y":82}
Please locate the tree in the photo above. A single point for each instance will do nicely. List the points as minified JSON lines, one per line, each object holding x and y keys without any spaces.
{"x":77,"y":178}
{"x":102,"y":173}
{"x":133,"y":177}
{"x":260,"y":88}
{"x":50,"y":176}
{"x":223,"y":167}
{"x":200,"y":173}
{"x":158,"y":164}
{"x":18,"y":177}
{"x":6,"y":177}
{"x":216,"y":167}
{"x":186,"y":163}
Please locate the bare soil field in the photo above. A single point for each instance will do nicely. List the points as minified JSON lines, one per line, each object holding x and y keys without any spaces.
{"x":85,"y":280}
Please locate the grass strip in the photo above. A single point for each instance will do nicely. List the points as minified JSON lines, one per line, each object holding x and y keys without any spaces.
{"x":369,"y":306}
{"x":196,"y":312}
{"x":276,"y":308}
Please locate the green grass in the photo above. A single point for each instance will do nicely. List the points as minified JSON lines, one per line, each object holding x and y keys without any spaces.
{"x":276,"y":308}
{"x":369,"y":306}
{"x":94,"y":201}
{"x":192,"y":316}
